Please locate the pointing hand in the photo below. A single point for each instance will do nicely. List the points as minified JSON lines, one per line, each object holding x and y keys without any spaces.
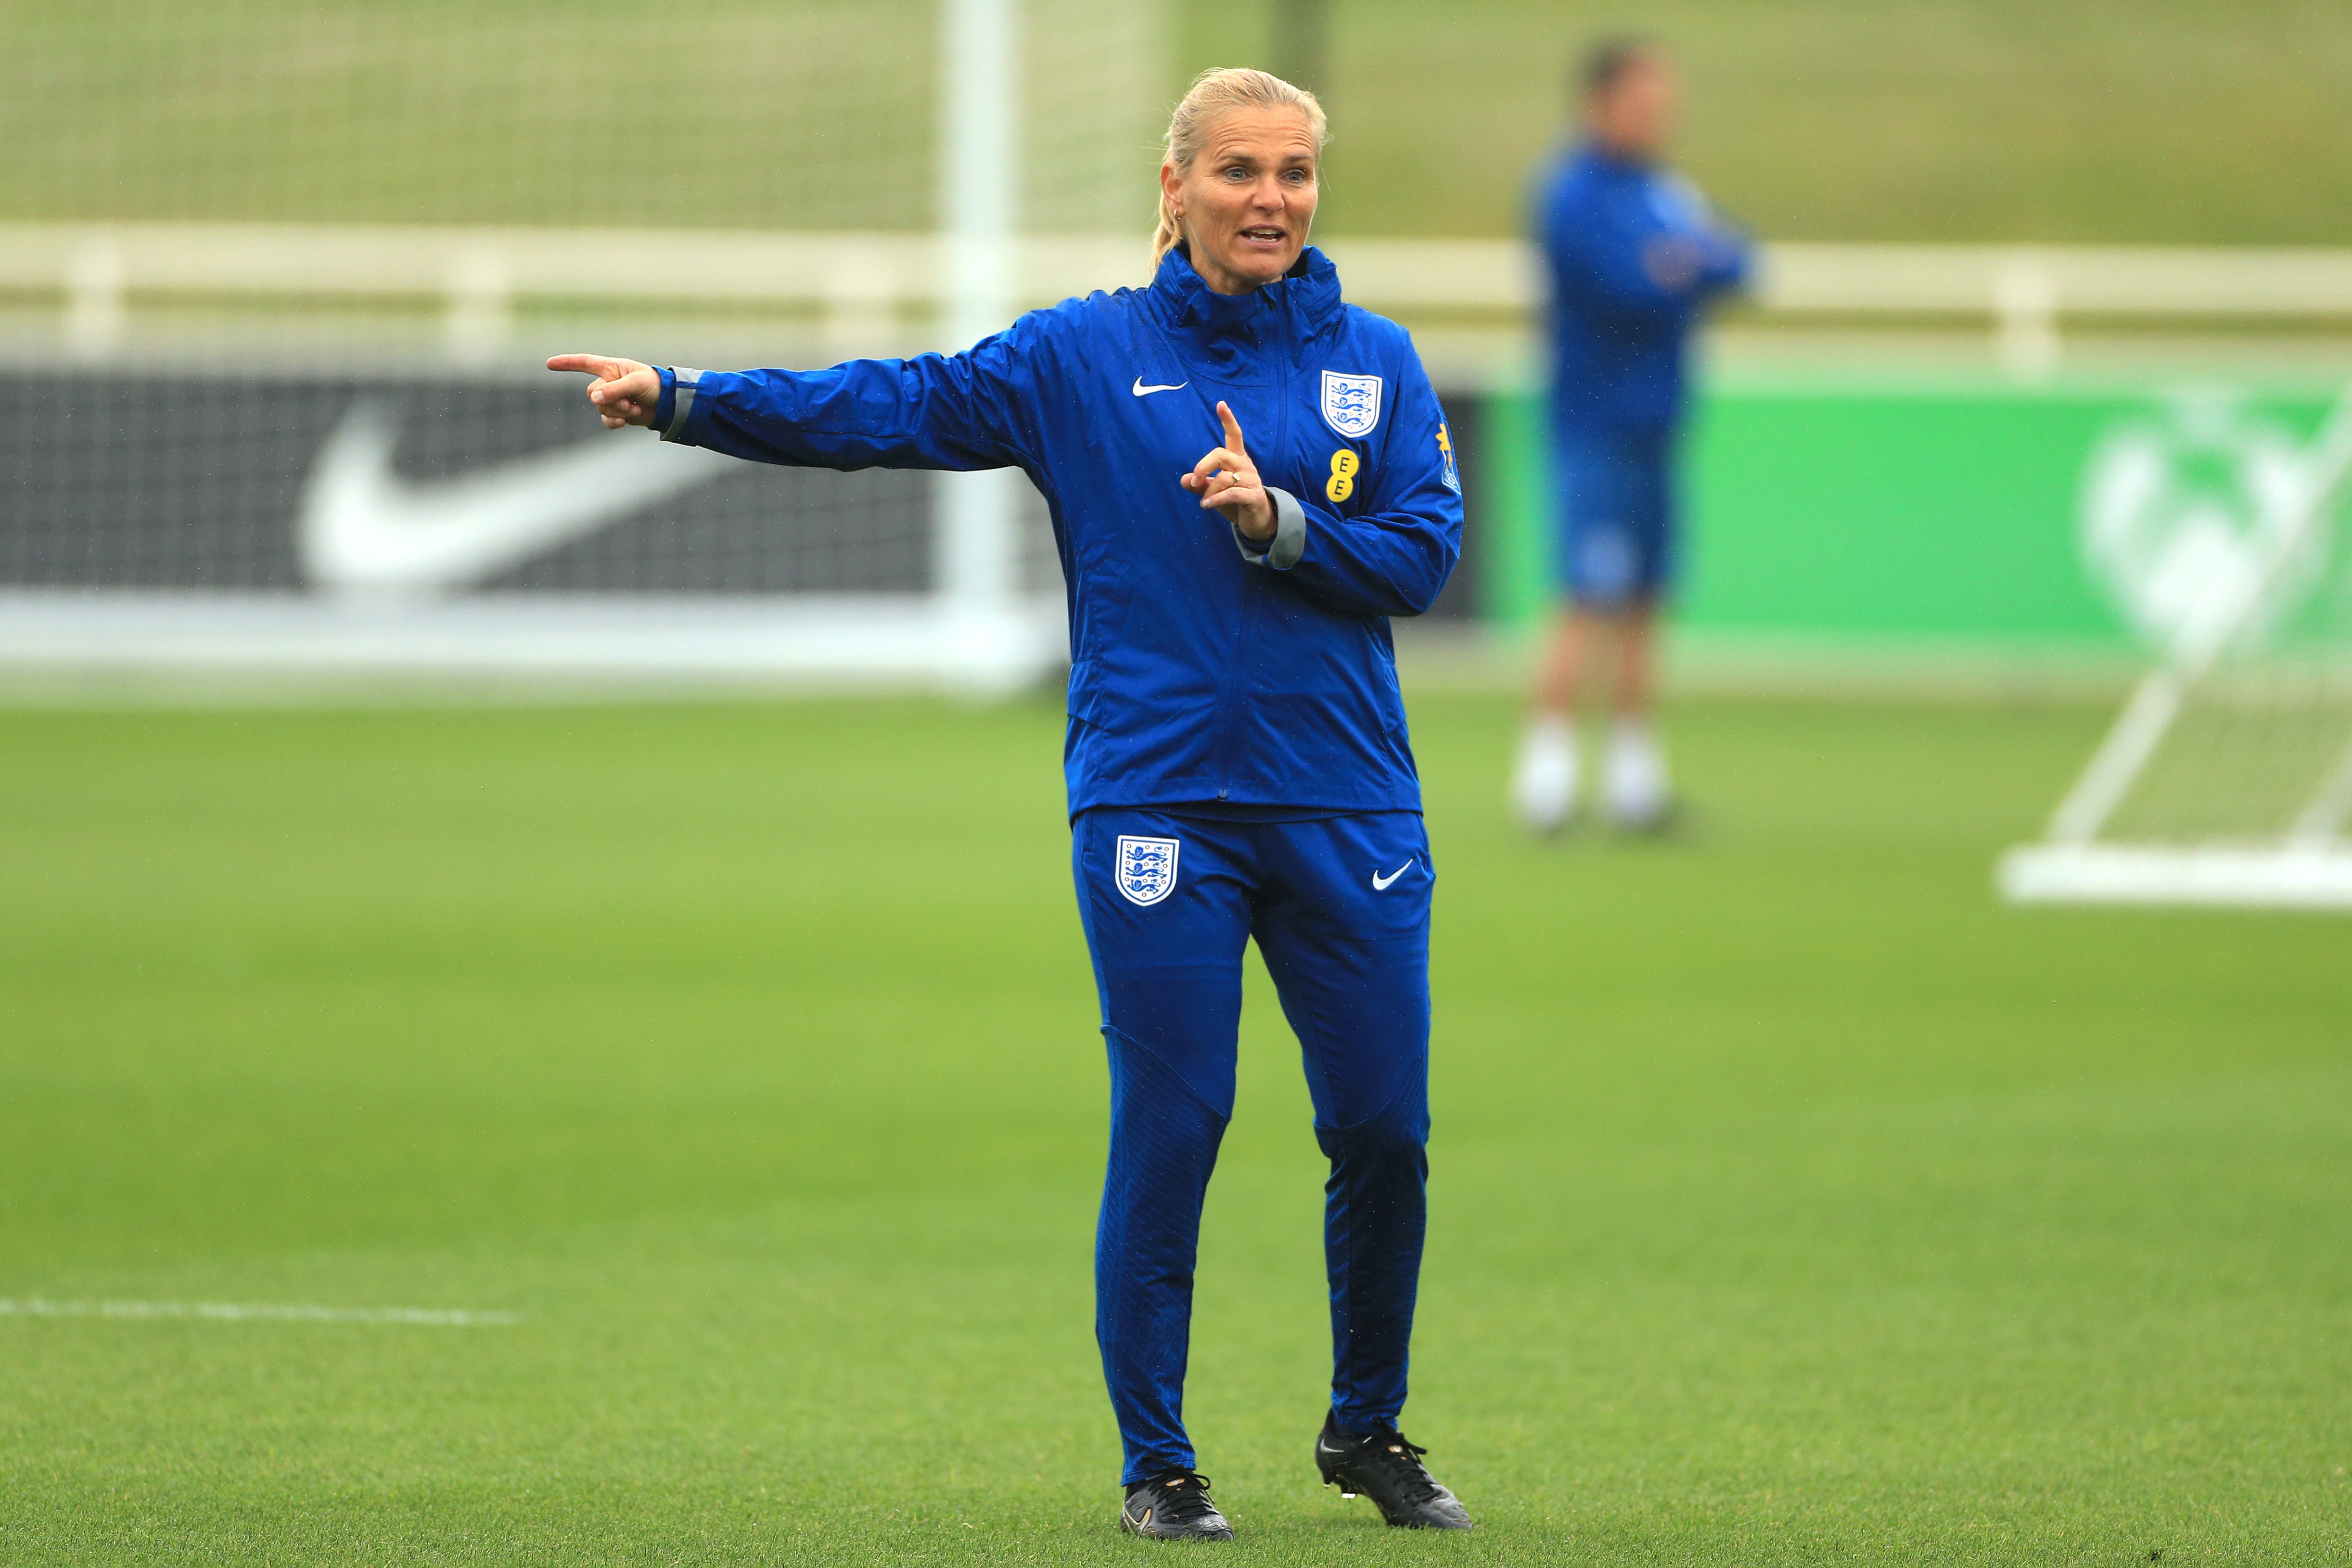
{"x":1227,"y":480}
{"x":625,"y":392}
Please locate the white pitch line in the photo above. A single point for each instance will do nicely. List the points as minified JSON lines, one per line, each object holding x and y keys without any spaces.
{"x":229,"y":1312}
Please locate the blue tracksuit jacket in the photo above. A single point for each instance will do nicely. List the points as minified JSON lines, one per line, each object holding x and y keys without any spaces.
{"x":1200,"y":671}
{"x":1621,"y":322}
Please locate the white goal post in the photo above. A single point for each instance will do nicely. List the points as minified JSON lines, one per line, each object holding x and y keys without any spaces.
{"x":2227,"y":778}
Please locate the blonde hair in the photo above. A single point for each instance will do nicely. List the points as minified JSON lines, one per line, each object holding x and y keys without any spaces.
{"x":1214,"y":94}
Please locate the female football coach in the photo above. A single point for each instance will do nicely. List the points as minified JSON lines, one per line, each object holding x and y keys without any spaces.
{"x":1237,"y":755}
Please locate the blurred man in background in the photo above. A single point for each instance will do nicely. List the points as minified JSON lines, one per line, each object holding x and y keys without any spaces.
{"x":1633,"y":254}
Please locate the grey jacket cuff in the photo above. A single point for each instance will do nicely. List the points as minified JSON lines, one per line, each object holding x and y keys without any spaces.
{"x":1289,"y":542}
{"x":681,"y":401}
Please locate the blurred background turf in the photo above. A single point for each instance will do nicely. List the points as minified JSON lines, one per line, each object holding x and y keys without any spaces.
{"x":1794,"y":1202}
{"x":2116,"y":120}
{"x":2124,"y":121}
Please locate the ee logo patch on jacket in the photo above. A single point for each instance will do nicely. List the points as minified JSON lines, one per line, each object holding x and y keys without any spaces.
{"x":1342,"y":483}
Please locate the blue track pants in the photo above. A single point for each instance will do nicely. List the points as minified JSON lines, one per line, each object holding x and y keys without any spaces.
{"x":1340,"y":908}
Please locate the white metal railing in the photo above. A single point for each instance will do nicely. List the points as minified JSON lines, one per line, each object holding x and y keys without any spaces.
{"x":480,"y":273}
{"x":855,"y":283}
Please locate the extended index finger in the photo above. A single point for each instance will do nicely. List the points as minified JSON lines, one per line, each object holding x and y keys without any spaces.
{"x":1233,"y":429}
{"x":596,"y":365}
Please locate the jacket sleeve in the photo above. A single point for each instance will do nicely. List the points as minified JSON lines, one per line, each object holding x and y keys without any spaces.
{"x":1392,"y":557}
{"x":1603,"y":264}
{"x":1731,"y":266}
{"x":972,"y":409}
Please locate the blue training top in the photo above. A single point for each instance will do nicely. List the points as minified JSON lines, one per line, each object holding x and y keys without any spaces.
{"x":1632,"y":253}
{"x":1262,"y":675}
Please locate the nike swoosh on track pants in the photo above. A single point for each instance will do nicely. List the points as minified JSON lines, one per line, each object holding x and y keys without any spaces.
{"x":1339,"y":908}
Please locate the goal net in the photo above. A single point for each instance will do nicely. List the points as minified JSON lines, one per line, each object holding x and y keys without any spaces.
{"x":297,"y":262}
{"x":2227,"y":778}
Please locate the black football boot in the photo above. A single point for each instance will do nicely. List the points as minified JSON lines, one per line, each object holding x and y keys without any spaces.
{"x":1174,"y":1506}
{"x":1388,"y":1469}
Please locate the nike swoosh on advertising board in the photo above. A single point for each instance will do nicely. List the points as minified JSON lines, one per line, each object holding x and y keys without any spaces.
{"x":363,"y":527}
{"x":1380,"y":884}
{"x":1142,"y":391}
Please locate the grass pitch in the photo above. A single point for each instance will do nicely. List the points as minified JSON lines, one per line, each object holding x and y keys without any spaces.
{"x":1793,"y":1201}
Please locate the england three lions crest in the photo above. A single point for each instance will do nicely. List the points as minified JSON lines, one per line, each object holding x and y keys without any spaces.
{"x":1351,"y":404}
{"x":1145,"y":872}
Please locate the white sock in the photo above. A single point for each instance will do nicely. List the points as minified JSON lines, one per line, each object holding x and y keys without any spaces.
{"x":1639,"y":791}
{"x":1543,"y":785}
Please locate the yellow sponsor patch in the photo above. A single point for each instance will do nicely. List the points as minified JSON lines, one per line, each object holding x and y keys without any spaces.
{"x":1342,"y":483}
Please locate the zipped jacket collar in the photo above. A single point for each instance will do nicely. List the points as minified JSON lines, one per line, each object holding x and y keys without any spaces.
{"x":1301,"y":305}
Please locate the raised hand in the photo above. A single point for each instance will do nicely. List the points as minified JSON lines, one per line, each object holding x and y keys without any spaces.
{"x":1227,"y":480}
{"x":625,"y":392}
